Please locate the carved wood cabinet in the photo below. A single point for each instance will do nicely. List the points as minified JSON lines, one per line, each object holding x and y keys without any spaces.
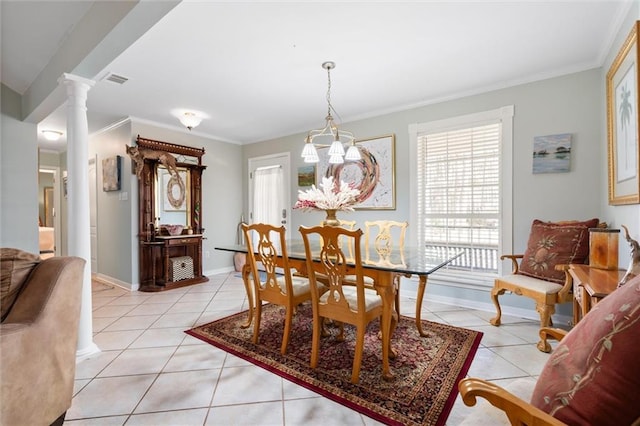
{"x":170,"y":261}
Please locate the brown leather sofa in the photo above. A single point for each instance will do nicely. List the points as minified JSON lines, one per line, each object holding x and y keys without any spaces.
{"x":38,"y":337}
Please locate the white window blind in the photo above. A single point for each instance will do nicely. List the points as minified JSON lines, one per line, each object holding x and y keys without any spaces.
{"x":459,"y":194}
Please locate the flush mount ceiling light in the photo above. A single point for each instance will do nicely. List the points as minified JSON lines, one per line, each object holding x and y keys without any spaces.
{"x":190,"y":120}
{"x":51,"y":135}
{"x":331,"y":134}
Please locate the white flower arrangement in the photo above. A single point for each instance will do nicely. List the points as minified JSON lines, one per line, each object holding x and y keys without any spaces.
{"x":329,"y":197}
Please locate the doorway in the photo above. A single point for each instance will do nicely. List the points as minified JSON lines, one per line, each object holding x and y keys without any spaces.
{"x":269,"y":195}
{"x":49,"y":209}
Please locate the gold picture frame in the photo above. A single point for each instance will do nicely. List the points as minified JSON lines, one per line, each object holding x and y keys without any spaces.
{"x":622,"y":123}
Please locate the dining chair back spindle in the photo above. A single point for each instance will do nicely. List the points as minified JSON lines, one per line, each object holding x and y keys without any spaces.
{"x":383,"y":237}
{"x":267,"y":253}
{"x":351,"y":303}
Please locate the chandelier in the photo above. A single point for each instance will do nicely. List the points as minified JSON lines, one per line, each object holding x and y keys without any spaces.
{"x":331,"y":133}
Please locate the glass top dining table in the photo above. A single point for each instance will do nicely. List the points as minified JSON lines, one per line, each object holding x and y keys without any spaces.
{"x":386,"y":265}
{"x":408,"y":261}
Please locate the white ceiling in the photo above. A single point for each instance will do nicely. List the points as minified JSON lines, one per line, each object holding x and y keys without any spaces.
{"x":253,"y":69}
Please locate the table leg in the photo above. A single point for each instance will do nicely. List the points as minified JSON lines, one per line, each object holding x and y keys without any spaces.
{"x":246,"y":274}
{"x":388,"y":322}
{"x":422,"y":285}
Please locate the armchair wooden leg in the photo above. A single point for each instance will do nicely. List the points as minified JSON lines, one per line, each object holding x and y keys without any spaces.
{"x":495,"y":292}
{"x":545,"y":320}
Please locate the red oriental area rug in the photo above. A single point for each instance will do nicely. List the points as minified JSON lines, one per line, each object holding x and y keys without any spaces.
{"x":427,"y":369}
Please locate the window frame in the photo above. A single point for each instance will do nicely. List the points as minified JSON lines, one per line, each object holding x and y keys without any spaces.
{"x":505,"y":245}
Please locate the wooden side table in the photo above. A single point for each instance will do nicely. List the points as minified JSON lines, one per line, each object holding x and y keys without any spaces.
{"x":590,"y":285}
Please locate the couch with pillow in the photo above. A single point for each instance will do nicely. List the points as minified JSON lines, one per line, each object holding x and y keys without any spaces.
{"x":539,"y":273}
{"x":40,"y":313}
{"x":591,"y":378}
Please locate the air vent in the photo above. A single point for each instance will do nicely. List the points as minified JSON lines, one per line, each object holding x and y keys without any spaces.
{"x":115,"y":78}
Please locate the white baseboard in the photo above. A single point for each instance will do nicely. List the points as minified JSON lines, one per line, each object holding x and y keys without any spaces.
{"x":116,"y":282}
{"x":224,"y":270}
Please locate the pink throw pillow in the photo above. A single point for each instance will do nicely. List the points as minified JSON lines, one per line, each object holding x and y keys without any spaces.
{"x":593,"y":375}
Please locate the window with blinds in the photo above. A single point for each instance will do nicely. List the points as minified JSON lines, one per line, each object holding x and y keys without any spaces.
{"x":459,"y":194}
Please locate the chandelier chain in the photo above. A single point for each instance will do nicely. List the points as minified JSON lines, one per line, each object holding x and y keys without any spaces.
{"x":329,"y":107}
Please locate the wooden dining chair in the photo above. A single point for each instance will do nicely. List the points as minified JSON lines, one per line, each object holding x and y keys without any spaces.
{"x":268,"y":255}
{"x":383,"y":237}
{"x":351,"y":304}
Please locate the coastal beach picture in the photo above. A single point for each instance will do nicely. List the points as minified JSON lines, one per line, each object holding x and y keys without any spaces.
{"x":552,"y":153}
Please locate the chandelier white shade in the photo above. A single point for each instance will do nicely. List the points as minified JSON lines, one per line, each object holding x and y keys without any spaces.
{"x":190,"y":120}
{"x":329,"y":135}
{"x":51,"y":135}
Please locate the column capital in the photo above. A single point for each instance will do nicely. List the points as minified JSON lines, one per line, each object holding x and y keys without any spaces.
{"x":72,"y":78}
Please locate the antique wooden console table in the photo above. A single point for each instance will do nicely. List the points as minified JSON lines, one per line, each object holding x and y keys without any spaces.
{"x":590,"y":285}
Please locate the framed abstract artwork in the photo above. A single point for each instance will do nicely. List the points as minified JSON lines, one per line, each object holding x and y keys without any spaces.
{"x":622,"y":123}
{"x":111,"y":173}
{"x":373,"y":174}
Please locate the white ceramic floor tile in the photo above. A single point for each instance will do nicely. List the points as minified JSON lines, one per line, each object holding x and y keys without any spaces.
{"x":111,"y":340}
{"x":168,"y":297}
{"x":100,"y":323}
{"x":185,"y":320}
{"x":150,"y":309}
{"x":138,"y":361}
{"x":232,"y":387}
{"x":264,"y":414}
{"x":193,"y":357}
{"x":497,"y":336}
{"x":314,"y":411}
{"x":527,"y":358}
{"x":158,"y":375}
{"x":182,"y":307}
{"x":112,"y":311}
{"x":177,"y":391}
{"x":155,"y":337}
{"x":78,"y":385}
{"x":197,"y":297}
{"x":194,"y":417}
{"x":461,"y":318}
{"x":137,"y":322}
{"x":99,"y":421}
{"x":90,"y":367}
{"x":131,"y":299}
{"x":109,"y":396}
{"x":488,"y":365}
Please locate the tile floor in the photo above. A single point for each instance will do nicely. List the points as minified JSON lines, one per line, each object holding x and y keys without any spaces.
{"x":149,"y":372}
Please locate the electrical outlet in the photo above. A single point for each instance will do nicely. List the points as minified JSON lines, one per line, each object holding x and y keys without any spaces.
{"x":207,"y":253}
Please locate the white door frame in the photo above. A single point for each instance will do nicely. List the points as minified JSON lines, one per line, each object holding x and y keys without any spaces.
{"x":282,"y":159}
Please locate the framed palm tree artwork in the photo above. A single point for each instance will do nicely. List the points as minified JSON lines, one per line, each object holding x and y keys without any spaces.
{"x":622,"y":123}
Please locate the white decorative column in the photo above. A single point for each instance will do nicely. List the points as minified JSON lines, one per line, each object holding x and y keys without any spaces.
{"x":78,"y":207}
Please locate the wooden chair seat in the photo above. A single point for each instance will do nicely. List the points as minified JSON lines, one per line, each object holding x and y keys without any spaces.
{"x":371,"y":298}
{"x":299,"y":284}
{"x":546,"y":294}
